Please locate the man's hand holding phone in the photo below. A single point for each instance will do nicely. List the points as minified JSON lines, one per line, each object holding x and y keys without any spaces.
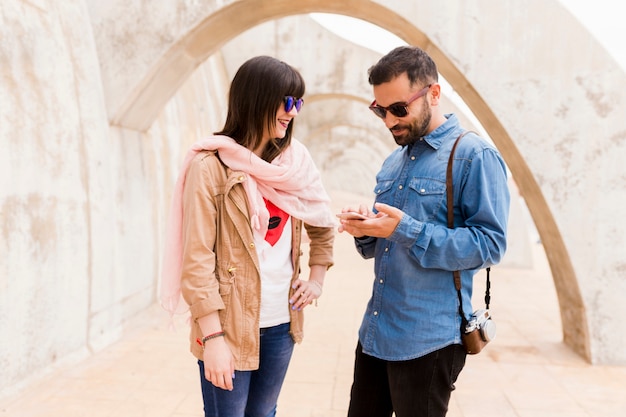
{"x":351,"y":215}
{"x":354,"y":215}
{"x":381,"y":224}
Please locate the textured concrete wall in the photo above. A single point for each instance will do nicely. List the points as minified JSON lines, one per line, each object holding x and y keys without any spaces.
{"x":521,"y":66}
{"x":53,"y":180}
{"x":558,"y":95}
{"x":527,"y":45}
{"x":91,"y":147}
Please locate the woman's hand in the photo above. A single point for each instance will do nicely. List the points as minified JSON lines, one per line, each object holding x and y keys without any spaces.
{"x":305,"y":292}
{"x":219,"y":365}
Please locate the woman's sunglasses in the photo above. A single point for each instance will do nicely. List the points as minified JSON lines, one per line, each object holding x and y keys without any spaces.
{"x":399,"y":109}
{"x":291,"y":102}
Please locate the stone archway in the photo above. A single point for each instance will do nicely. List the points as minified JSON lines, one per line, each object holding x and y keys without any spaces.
{"x":549,"y":94}
{"x":139,"y":109}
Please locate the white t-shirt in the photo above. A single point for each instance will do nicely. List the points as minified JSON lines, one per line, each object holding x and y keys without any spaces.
{"x":276,"y":272}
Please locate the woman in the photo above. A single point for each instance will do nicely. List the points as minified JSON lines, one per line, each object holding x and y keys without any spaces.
{"x":235,"y":230}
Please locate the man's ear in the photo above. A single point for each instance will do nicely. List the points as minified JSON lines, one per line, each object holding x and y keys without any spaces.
{"x":435,"y":94}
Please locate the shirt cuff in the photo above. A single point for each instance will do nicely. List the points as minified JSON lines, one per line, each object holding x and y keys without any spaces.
{"x":407,"y":231}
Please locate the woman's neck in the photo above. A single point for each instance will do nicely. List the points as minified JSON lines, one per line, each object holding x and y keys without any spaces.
{"x":259,"y":149}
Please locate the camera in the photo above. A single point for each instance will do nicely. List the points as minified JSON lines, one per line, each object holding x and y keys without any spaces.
{"x":481,"y":320}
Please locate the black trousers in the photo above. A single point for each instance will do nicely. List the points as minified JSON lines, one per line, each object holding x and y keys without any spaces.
{"x":415,"y":388}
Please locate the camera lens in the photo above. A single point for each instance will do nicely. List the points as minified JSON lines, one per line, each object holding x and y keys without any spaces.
{"x":488,"y":330}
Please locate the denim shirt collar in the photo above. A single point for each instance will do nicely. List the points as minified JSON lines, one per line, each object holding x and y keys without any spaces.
{"x":437,"y":136}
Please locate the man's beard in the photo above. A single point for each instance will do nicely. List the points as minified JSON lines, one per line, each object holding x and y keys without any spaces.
{"x":417,"y":129}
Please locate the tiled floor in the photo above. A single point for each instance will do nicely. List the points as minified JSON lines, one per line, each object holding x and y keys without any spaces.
{"x":525,"y":372}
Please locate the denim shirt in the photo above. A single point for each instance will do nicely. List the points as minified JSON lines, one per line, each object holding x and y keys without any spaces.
{"x":413,"y":309}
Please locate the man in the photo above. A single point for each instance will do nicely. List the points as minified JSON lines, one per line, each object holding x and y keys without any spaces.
{"x":409,"y":353}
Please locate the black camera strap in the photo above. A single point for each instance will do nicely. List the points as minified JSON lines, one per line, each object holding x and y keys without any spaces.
{"x":450,"y":198}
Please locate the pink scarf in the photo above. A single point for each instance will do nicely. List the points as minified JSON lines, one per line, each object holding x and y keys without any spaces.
{"x":291,"y":182}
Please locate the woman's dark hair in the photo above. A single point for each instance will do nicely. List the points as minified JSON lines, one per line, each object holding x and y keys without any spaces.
{"x":417,"y":64}
{"x":256,"y":92}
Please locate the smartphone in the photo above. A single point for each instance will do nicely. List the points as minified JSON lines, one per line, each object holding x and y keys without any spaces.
{"x":352,"y":215}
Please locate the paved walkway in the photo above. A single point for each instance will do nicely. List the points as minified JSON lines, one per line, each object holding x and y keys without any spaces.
{"x":525,"y":372}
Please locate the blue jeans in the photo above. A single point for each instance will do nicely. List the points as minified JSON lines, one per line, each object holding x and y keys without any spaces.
{"x":255,"y":393}
{"x":419,"y":387}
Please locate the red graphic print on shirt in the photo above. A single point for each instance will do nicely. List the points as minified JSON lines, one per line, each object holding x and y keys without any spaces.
{"x":278,"y":218}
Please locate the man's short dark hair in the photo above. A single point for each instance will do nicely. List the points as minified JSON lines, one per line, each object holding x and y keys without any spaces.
{"x":418,"y":65}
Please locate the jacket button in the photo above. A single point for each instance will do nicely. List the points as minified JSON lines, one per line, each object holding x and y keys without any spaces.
{"x":252,"y":244}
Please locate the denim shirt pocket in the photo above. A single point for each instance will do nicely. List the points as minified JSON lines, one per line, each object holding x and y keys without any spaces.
{"x":425,"y":199}
{"x":382,"y":191}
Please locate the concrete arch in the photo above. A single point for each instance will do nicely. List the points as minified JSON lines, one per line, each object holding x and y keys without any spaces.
{"x":457,"y":65}
{"x":89,"y":166}
{"x":142,"y":105}
{"x":179,"y":61}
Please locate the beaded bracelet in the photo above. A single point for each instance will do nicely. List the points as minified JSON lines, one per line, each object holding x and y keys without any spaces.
{"x":212,"y":336}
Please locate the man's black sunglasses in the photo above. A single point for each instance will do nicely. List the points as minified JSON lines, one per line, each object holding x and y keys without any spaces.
{"x":399,"y":109}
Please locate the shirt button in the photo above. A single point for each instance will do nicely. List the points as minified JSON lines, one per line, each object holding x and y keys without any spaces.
{"x":422,"y":190}
{"x":240,"y":178}
{"x":381,"y":281}
{"x":412,"y":158}
{"x":375,"y":313}
{"x":399,"y":186}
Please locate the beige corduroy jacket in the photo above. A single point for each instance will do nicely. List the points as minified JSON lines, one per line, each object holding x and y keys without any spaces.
{"x":220,"y":263}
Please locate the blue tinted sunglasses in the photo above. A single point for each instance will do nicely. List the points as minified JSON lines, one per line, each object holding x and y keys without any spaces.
{"x":291,"y":102}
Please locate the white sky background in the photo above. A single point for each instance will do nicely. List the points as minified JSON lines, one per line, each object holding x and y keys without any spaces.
{"x":605,"y":20}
